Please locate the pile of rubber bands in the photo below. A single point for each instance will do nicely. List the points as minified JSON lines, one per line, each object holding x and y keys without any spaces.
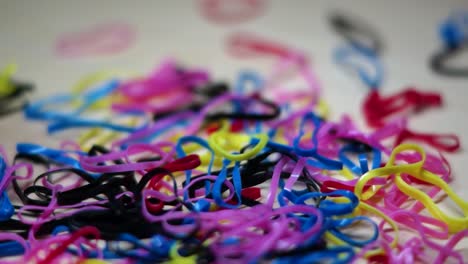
{"x":176,"y":166}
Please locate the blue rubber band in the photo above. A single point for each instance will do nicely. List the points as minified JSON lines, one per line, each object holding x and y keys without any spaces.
{"x":11,"y":248}
{"x":454,"y":30}
{"x":243,"y":78}
{"x":337,"y":224}
{"x":181,"y":153}
{"x":58,"y":156}
{"x":248,"y":76}
{"x":328,"y":163}
{"x":343,"y":54}
{"x":217,"y":186}
{"x":6,"y":208}
{"x":62,"y":120}
{"x":328,"y":207}
{"x":363,"y":161}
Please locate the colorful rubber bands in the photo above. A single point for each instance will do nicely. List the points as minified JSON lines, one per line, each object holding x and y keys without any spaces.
{"x":174,"y":166}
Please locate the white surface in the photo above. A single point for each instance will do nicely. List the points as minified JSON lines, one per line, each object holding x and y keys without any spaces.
{"x":28,"y":31}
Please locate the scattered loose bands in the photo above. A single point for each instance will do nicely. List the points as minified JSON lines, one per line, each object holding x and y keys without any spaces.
{"x":175,"y":166}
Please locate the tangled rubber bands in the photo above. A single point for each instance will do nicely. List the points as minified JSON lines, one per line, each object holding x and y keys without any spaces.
{"x":176,"y":166}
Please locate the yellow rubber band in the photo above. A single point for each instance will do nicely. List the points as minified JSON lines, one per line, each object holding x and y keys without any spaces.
{"x":455,"y":224}
{"x":176,"y":258}
{"x":322,"y":108}
{"x":280,"y":138}
{"x":93,"y":261}
{"x":387,"y":170}
{"x":220,"y":139}
{"x":347,"y":174}
{"x":6,"y":86}
{"x":100,"y":136}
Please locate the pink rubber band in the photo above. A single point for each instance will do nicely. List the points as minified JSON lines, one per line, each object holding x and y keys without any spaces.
{"x":90,"y":163}
{"x":231,"y":12}
{"x":105,"y":39}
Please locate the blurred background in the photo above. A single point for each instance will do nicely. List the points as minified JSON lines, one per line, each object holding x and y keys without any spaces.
{"x":29,"y":31}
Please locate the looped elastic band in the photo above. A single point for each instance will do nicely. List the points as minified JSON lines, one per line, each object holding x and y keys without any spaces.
{"x":328,"y":207}
{"x":439,"y":62}
{"x":13,"y":245}
{"x":363,"y":165}
{"x":181,"y":153}
{"x":416,"y":170}
{"x":92,"y":80}
{"x":166,"y":77}
{"x":377,"y":109}
{"x":219,"y":140}
{"x":245,"y":45}
{"x":85,"y":231}
{"x":93,"y":163}
{"x":339,"y":224}
{"x":157,"y":249}
{"x":373,"y":81}
{"x":60,"y":120}
{"x":244,"y":78}
{"x":220,"y":181}
{"x":103,"y":39}
{"x":312,"y":152}
{"x":57,"y":156}
{"x":443,"y":142}
{"x":353,"y":29}
{"x":176,"y":258}
{"x":6,"y":208}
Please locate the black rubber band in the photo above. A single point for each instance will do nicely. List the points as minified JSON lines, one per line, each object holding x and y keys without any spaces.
{"x":351,"y":28}
{"x":439,"y":65}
